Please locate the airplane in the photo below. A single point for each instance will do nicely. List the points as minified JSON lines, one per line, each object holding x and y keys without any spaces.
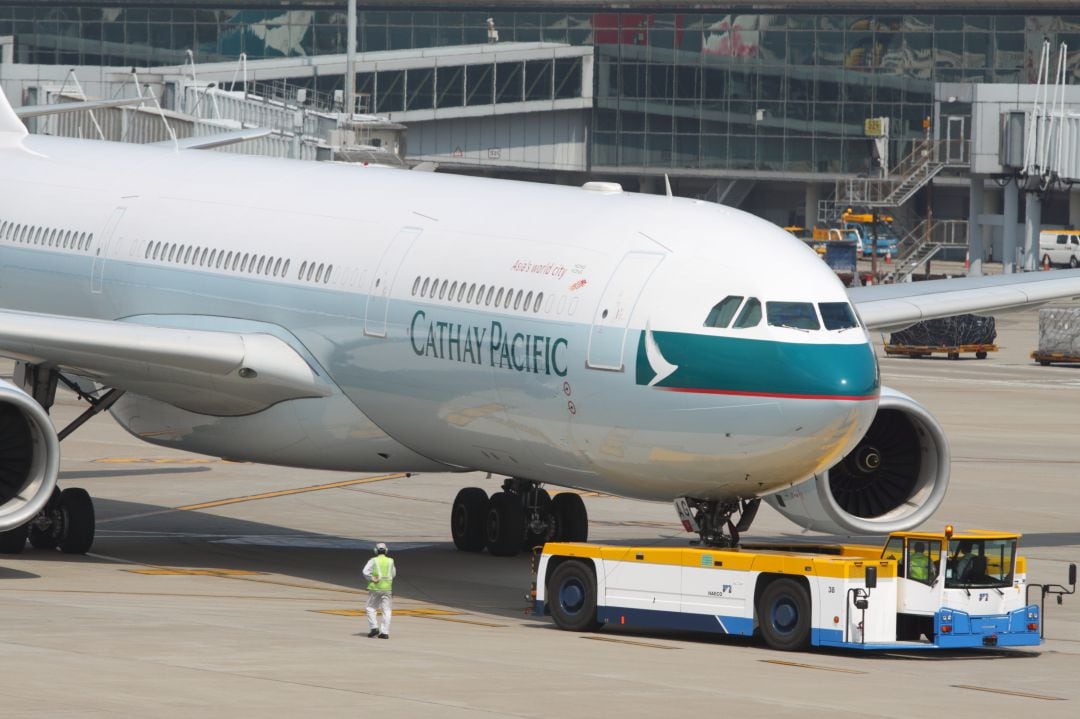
{"x":323,"y":316}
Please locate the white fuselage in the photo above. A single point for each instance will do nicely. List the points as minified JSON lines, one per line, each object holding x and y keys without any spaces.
{"x":550,"y":333}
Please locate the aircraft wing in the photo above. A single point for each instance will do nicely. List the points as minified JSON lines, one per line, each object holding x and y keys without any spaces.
{"x":217,"y":139}
{"x":893,"y":307}
{"x":59,"y":107}
{"x":209,"y":372}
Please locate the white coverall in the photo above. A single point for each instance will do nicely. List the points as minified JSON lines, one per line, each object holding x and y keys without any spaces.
{"x":378,"y":600}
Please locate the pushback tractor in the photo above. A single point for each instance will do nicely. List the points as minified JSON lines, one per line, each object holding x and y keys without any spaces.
{"x":922,"y":590}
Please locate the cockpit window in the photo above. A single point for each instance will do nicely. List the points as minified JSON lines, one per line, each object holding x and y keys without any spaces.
{"x":837,"y":315}
{"x":797,"y":315}
{"x":750,"y":315}
{"x":721,"y":314}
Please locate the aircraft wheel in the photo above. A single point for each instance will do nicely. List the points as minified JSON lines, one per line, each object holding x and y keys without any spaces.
{"x":77,"y":517}
{"x":980,"y":355}
{"x":571,"y":597}
{"x":13,"y":541}
{"x":784,"y":615}
{"x":571,"y":518}
{"x":505,"y":524}
{"x":467,"y":519}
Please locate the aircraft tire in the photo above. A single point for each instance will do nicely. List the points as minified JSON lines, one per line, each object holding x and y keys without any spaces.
{"x":77,"y":511}
{"x":13,"y":541}
{"x":467,"y":519}
{"x":571,"y":597}
{"x":505,"y":524}
{"x":784,"y":615}
{"x":42,"y":538}
{"x":571,"y":518}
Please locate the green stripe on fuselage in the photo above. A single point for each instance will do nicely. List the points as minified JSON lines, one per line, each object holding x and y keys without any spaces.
{"x":746,"y":366}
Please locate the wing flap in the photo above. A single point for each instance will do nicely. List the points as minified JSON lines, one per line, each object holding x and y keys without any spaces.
{"x":217,"y":373}
{"x":893,"y":307}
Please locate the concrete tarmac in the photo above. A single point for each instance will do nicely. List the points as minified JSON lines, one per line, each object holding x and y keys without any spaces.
{"x":221,"y":590}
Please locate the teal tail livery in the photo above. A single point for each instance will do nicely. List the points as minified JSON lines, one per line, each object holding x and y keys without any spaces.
{"x":327,"y":316}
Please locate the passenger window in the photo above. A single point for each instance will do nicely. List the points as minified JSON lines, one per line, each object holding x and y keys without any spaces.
{"x":490,"y":292}
{"x":750,"y":315}
{"x":517,"y":299}
{"x":509,"y":298}
{"x":528,"y":301}
{"x":461,"y":292}
{"x":442,"y":290}
{"x":172,"y":252}
{"x":416,"y":285}
{"x":722,"y":312}
{"x":539,"y":301}
{"x":244,"y":262}
{"x":318,"y":274}
{"x":285,"y":268}
{"x":796,"y":315}
{"x":329,"y":269}
{"x":837,"y":315}
{"x":472,"y":292}
{"x":235,"y":261}
{"x":310,"y":272}
{"x":453,"y":289}
{"x":148,"y":249}
{"x":187,"y":256}
{"x":423,"y":290}
{"x":213,"y":257}
{"x":277,"y":268}
{"x":262,"y":264}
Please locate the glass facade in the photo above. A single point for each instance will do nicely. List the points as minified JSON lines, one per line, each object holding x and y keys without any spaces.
{"x":766,"y":93}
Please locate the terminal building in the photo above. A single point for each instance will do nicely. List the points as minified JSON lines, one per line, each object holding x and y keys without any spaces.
{"x":790,"y":109}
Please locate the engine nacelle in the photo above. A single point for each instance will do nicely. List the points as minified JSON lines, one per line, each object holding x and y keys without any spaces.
{"x":29,"y":457}
{"x":893,"y":480}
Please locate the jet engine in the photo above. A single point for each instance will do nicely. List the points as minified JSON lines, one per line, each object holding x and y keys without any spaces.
{"x":893,"y":480}
{"x":29,"y":457}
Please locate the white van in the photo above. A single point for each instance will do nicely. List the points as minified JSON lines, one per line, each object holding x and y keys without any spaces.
{"x":1059,"y":247}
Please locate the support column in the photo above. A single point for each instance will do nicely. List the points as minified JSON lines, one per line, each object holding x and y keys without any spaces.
{"x":1011,"y":215}
{"x":976,"y":255}
{"x":1074,"y":207}
{"x":350,"y":61}
{"x":812,"y":197}
{"x":1032,"y":223}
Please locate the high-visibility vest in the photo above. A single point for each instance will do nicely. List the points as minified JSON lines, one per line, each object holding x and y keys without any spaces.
{"x":919,"y":567}
{"x":383,"y":580}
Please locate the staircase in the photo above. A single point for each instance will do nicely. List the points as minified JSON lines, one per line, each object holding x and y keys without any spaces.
{"x":922,"y":244}
{"x":921,"y":165}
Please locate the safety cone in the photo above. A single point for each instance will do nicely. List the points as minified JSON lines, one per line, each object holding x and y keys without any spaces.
{"x":967,"y":260}
{"x":888,"y":257}
{"x":1046,"y":263}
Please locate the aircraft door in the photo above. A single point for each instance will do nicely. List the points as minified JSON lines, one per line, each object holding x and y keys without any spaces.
{"x":382,"y":281}
{"x":607,"y":336}
{"x":101,"y":253}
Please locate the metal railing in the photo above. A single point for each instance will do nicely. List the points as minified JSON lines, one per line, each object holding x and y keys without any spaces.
{"x":926,"y":159}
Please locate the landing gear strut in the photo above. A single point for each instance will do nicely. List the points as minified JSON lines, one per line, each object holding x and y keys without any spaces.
{"x":712,"y":519}
{"x":67,"y":521}
{"x":521,"y":516}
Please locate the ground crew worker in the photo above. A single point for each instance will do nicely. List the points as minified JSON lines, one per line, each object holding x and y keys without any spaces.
{"x":380,"y":572}
{"x":919,"y":563}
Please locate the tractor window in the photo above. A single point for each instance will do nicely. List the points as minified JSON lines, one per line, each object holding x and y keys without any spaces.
{"x":980,"y":563}
{"x":923,"y":560}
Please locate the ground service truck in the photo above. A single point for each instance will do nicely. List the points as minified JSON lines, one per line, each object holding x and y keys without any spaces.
{"x":923,"y":590}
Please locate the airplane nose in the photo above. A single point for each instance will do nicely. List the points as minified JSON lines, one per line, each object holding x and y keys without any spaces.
{"x":831,"y":371}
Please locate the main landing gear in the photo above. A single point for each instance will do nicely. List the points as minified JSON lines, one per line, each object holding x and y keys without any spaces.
{"x":521,"y":516}
{"x":67,"y":521}
{"x":712,"y":519}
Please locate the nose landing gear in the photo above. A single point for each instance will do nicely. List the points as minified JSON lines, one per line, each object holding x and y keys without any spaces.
{"x":712,"y":519}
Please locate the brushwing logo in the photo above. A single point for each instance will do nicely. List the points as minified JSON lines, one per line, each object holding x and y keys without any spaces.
{"x":655,"y":357}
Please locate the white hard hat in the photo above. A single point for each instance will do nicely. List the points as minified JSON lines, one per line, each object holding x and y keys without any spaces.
{"x":380,"y":548}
